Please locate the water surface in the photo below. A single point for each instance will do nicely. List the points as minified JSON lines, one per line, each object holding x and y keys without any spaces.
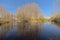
{"x":50,"y":32}
{"x":47,"y":31}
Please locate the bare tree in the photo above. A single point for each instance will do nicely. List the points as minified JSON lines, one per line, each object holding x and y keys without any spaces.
{"x":6,"y":21}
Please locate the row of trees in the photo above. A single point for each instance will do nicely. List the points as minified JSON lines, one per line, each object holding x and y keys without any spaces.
{"x":56,"y":18}
{"x":6,"y":21}
{"x":29,"y":11}
{"x":27,"y":18}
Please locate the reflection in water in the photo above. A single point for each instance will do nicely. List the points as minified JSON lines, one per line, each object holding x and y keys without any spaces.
{"x":29,"y":26}
{"x":24,"y":28}
{"x":29,"y":32}
{"x":56,"y":24}
{"x":45,"y":31}
{"x":50,"y":32}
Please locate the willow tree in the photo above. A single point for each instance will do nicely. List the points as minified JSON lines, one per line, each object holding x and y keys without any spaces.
{"x":26,"y":10}
{"x":28,"y":16}
{"x":6,"y":21}
{"x":36,"y":13}
{"x":23,"y":19}
{"x":20,"y":19}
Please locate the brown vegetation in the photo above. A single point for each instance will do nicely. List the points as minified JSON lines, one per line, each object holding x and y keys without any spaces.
{"x":28,"y":19}
{"x":6,"y":21}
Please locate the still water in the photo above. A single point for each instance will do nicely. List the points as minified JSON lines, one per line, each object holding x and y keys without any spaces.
{"x":48,"y":31}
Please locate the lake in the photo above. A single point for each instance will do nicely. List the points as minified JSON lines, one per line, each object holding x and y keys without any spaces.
{"x":47,"y":31}
{"x":50,"y":32}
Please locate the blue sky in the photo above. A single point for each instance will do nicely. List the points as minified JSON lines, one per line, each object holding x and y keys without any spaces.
{"x":12,"y":5}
